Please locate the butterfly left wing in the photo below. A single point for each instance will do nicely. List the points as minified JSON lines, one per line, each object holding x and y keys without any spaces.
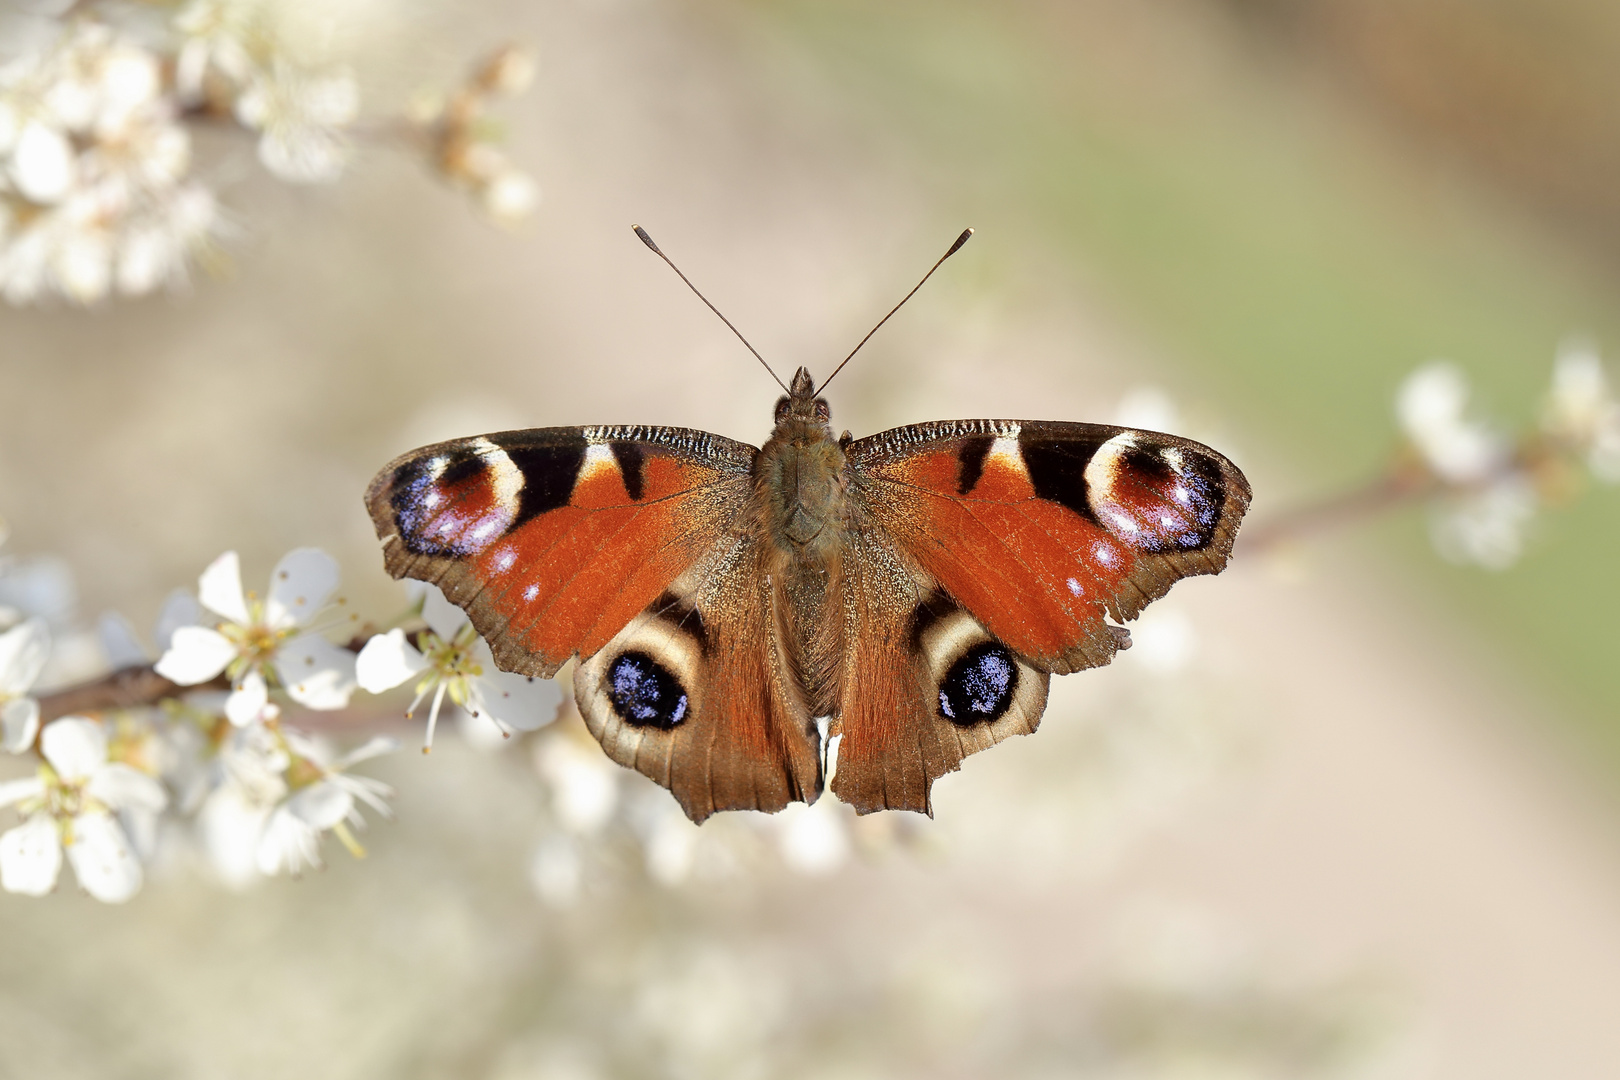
{"x":621,"y":546}
{"x":1015,"y":541}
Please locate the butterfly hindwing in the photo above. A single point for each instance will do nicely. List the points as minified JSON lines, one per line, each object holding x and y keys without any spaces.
{"x":697,"y":692}
{"x":924,"y":684}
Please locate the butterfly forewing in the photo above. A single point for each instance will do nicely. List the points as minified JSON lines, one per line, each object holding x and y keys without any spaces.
{"x":553,"y":539}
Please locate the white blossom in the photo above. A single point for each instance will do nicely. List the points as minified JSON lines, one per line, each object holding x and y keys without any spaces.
{"x":73,"y":804}
{"x":454,"y":662}
{"x":510,"y":195}
{"x":216,"y":36}
{"x":301,"y":116}
{"x":1582,"y":410}
{"x":1431,"y":407}
{"x":97,"y":165}
{"x":583,"y":781}
{"x":23,"y":652}
{"x":814,"y":840}
{"x":256,"y":640}
{"x":277,"y":790}
{"x":323,"y":797}
{"x":1487,"y":526}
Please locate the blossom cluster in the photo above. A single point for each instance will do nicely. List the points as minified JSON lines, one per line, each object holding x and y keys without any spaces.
{"x":100,"y":192}
{"x":223,"y":752}
{"x":1486,"y":486}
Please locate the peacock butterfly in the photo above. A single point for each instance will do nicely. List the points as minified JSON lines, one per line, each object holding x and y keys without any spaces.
{"x":916,"y":589}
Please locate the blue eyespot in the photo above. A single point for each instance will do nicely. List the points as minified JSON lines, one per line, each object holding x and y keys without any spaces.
{"x":979,"y":687}
{"x":644,"y":693}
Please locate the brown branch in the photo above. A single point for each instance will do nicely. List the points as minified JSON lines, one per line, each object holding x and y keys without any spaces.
{"x":1401,"y":485}
{"x":138,"y":686}
{"x":127,"y":688}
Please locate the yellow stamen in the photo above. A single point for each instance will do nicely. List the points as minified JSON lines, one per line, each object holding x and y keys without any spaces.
{"x":341,"y":831}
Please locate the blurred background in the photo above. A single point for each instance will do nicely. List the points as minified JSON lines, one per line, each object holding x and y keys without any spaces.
{"x":1346,"y":811}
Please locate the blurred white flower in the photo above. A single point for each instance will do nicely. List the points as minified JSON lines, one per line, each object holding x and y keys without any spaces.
{"x":510,"y":71}
{"x":814,"y":840}
{"x":73,"y":804}
{"x":248,"y":781}
{"x":1582,"y":411}
{"x":301,"y":116}
{"x":510,"y":195}
{"x":255,"y":640}
{"x":216,"y":35}
{"x":1431,"y":406}
{"x":323,"y":796}
{"x":1485,"y":527}
{"x":1147,"y":407}
{"x":1165,"y":641}
{"x":453,"y":662}
{"x":97,"y":166}
{"x":669,"y":840}
{"x":583,"y":781}
{"x":23,"y":652}
{"x":277,"y":790}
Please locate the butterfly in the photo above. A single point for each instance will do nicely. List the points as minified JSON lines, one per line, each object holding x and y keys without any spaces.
{"x":732,"y":609}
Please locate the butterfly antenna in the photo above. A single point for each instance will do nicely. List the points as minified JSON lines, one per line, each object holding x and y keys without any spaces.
{"x":954,"y":248}
{"x":656,"y":250}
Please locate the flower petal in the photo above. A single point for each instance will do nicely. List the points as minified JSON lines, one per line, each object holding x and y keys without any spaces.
{"x":43,"y":165}
{"x":103,"y":860}
{"x":321,"y":805}
{"x":124,"y":787}
{"x":584,"y":784}
{"x":301,"y":584}
{"x":75,"y":746}
{"x":23,"y":651}
{"x":180,"y":608}
{"x":287,"y":844}
{"x":517,"y":701}
{"x":232,"y":826}
{"x":15,"y":791}
{"x":19,"y":723}
{"x":246,"y":703}
{"x":376,"y":746}
{"x":442,"y":617}
{"x":814,"y":840}
{"x":195,"y":655}
{"x":220,"y":589}
{"x":119,"y":644}
{"x":316,"y":673}
{"x":386,"y":661}
{"x":31,"y":857}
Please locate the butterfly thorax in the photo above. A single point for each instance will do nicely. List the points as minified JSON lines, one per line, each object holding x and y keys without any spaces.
{"x":799,"y":478}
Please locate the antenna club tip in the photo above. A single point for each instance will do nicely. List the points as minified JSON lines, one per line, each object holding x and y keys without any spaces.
{"x":960,"y":240}
{"x":645,"y":239}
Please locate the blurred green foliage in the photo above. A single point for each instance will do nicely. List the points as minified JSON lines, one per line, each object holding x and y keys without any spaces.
{"x":1299,"y":253}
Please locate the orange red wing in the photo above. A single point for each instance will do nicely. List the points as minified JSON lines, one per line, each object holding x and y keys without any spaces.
{"x":553,"y":539}
{"x":1041,"y":529}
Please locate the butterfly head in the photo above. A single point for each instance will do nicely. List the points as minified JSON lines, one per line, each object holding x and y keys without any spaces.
{"x":801,"y":405}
